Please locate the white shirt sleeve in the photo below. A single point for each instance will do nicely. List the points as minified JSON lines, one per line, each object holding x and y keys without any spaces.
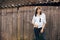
{"x":44,"y":20}
{"x":33,"y":19}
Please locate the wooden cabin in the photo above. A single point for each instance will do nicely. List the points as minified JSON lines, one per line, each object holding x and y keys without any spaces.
{"x":15,"y":22}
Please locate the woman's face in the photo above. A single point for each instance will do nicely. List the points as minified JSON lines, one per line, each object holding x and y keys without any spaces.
{"x":39,"y":10}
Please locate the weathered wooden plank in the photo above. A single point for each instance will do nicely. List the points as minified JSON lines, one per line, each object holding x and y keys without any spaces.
{"x":0,"y":22}
{"x":14,"y":27}
{"x":58,"y":23}
{"x":4,"y":24}
{"x":21,"y":24}
{"x":9,"y":24}
{"x":16,"y":24}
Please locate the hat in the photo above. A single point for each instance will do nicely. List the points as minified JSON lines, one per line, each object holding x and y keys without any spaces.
{"x":38,"y":7}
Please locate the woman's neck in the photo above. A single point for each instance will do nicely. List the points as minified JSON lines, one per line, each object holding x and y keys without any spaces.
{"x":38,"y":14}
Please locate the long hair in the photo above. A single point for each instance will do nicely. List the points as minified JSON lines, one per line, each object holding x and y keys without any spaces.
{"x":36,"y":11}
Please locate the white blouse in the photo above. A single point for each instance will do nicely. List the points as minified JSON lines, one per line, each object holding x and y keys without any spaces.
{"x":40,"y":20}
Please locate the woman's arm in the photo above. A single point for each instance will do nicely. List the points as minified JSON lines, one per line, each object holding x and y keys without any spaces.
{"x":44,"y":23}
{"x":43,"y":28}
{"x":33,"y":22}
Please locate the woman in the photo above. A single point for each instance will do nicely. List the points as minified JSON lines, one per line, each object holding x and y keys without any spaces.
{"x":39,"y":21}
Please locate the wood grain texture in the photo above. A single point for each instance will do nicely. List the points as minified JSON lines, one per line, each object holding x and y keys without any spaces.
{"x":15,"y":24}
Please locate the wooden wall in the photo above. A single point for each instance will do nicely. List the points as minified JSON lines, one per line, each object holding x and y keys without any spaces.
{"x":0,"y":22}
{"x":15,"y":24}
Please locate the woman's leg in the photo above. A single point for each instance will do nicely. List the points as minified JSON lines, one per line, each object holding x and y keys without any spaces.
{"x":43,"y":35}
{"x":36,"y":31}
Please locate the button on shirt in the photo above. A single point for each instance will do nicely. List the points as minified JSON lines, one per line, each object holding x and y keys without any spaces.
{"x":40,"y":20}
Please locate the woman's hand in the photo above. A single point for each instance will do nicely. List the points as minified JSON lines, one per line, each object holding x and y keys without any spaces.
{"x":42,"y":31}
{"x":36,"y":25}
